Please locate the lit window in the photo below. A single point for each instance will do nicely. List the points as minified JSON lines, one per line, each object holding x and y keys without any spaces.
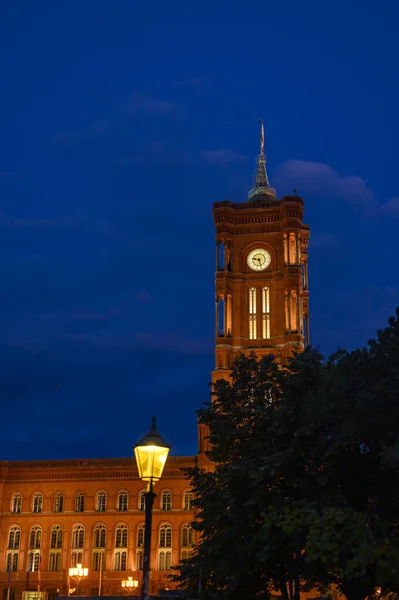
{"x":35,"y":537}
{"x":252,"y":313}
{"x":12,"y":561}
{"x":139,"y":560}
{"x":98,"y":561}
{"x":76,"y":558}
{"x":164,"y":560}
{"x":34,"y":560}
{"x":140,"y":536}
{"x":265,"y":313}
{"x":165,"y":536}
{"x":54,"y":563}
{"x":142,"y":500}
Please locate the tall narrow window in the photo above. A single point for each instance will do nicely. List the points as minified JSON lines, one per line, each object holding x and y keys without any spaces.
{"x":229,"y":313}
{"x":34,"y":560}
{"x":14,"y":538}
{"x":140,"y":536}
{"x":59,"y":503}
{"x":165,"y":536}
{"x":266,"y":313}
{"x":12,"y":561}
{"x":252,"y":313}
{"x":293,"y":252}
{"x":188,"y":500}
{"x":100,"y":534}
{"x":101,"y":501}
{"x":76,"y":558}
{"x":166,"y":501}
{"x":164,"y":560}
{"x":285,"y":242}
{"x":120,"y":560}
{"x":16,"y":503}
{"x":56,"y":537}
{"x":122,"y":500}
{"x":220,"y":317}
{"x":54,"y":561}
{"x":98,"y":560}
{"x":35,"y":537}
{"x":37,"y":505}
{"x":139,"y":560}
{"x":286,"y":311}
{"x":142,"y":500}
{"x":78,"y":536}
{"x":121,"y":536}
{"x":80,"y":502}
{"x":294,"y":311}
{"x":187,"y":536}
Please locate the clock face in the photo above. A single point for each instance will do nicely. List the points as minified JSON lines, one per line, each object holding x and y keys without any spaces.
{"x":259,"y":259}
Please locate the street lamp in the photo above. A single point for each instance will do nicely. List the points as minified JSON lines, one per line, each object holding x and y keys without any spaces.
{"x":130,"y":584}
{"x":151,"y":454}
{"x":78,"y":573}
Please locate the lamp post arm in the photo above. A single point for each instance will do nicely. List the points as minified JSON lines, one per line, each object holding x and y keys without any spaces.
{"x":149,"y":502}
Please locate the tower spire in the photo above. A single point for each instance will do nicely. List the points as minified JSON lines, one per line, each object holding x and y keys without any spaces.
{"x":262,"y":186}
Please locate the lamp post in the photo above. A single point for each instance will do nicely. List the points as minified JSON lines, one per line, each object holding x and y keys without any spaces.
{"x":130,"y":584}
{"x":151,"y":454}
{"x":78,"y":573}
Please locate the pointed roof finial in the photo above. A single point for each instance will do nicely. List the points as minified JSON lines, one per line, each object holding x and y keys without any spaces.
{"x":262,"y":186}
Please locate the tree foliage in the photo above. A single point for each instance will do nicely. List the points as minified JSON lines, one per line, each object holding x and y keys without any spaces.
{"x":303,"y":489}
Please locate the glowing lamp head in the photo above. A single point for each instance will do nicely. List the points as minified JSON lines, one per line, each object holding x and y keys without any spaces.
{"x":151,"y":454}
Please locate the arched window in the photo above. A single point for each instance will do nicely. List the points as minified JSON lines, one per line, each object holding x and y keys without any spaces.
{"x":35,"y":537}
{"x":294,"y":311}
{"x":54,"y":561}
{"x":56,"y":537}
{"x":166,"y":501}
{"x":140,"y":536}
{"x":164,"y":560}
{"x":266,"y":313}
{"x":100,"y":535}
{"x":120,"y":560}
{"x":78,"y":536}
{"x":37,"y":503}
{"x":16,"y":503}
{"x":187,"y":536}
{"x":185,"y":554}
{"x":76,"y":558}
{"x":34,"y":560}
{"x":14,"y":538}
{"x":122,"y":500}
{"x":139,"y":560}
{"x":252,"y":313}
{"x":101,"y":501}
{"x":80,"y":502}
{"x":292,"y":249}
{"x":165,"y":536}
{"x":121,"y":536}
{"x":188,"y":500}
{"x":142,"y":500}
{"x":98,"y":560}
{"x":12,"y":561}
{"x":59,"y":503}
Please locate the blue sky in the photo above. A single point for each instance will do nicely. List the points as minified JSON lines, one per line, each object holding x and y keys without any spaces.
{"x":120,"y":124}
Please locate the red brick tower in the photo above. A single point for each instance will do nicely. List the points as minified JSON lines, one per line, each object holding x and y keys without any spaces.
{"x":261,"y":276}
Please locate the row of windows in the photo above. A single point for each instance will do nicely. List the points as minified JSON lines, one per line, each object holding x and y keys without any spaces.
{"x":99,"y":537}
{"x":100,"y":503}
{"x":120,"y":560}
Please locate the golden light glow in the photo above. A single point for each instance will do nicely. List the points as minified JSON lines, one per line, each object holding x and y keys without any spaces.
{"x":151,"y":460}
{"x":130,"y":583}
{"x":78,"y":571}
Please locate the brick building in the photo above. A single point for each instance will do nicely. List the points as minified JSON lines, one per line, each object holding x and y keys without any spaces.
{"x":55,"y":514}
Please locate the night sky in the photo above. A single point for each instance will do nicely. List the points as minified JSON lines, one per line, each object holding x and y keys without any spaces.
{"x":120,"y":124}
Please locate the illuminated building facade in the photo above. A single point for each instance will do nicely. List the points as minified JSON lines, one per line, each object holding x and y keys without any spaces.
{"x":57,"y":514}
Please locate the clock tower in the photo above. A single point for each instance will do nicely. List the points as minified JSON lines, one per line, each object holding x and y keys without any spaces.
{"x":261,"y":276}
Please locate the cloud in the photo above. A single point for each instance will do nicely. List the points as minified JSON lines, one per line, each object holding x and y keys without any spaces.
{"x":391,"y":208}
{"x":143,"y":104}
{"x":321,"y":179}
{"x":99,"y":129}
{"x":223,"y":157}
